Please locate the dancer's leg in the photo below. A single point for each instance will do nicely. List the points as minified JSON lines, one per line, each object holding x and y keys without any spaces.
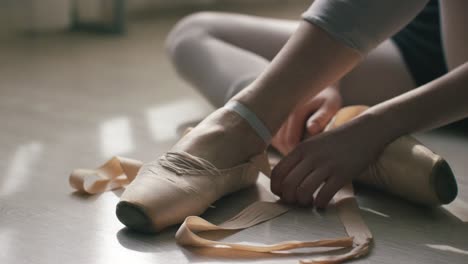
{"x":249,"y":43}
{"x":220,"y":53}
{"x":454,"y":37}
{"x":380,"y":76}
{"x":309,"y":61}
{"x":213,"y":39}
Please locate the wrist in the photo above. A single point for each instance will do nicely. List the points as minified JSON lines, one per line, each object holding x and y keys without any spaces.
{"x":381,"y":124}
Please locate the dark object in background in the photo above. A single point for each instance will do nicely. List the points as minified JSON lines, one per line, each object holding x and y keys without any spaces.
{"x":109,"y":18}
{"x":420,"y":43}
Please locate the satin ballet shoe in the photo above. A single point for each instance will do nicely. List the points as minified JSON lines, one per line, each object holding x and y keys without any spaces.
{"x":179,"y":185}
{"x":406,"y":168}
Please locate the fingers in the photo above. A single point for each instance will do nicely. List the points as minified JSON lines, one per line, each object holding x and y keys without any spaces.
{"x":331,"y":187}
{"x":293,"y":180}
{"x":292,"y":130}
{"x":277,"y":141}
{"x":317,"y":122}
{"x":301,"y":181}
{"x":294,"y":127}
{"x":305,"y":191}
{"x":282,"y":169}
{"x":292,"y":134}
{"x":281,"y":141}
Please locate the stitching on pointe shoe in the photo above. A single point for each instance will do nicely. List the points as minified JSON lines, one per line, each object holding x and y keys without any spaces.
{"x":378,"y":179}
{"x":182,"y":162}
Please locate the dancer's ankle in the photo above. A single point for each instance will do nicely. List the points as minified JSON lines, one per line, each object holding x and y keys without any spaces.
{"x":224,"y":138}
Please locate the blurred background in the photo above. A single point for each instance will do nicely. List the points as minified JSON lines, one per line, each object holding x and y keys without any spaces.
{"x":75,"y":67}
{"x":57,"y":15}
{"x":83,"y":80}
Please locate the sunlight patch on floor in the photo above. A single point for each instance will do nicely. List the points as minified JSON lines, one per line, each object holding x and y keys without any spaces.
{"x":116,"y":137}
{"x":448,"y":249}
{"x":163,"y":120}
{"x":20,"y":167}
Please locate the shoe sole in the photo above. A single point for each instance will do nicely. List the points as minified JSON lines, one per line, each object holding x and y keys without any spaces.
{"x":444,"y":182}
{"x":134,"y":217}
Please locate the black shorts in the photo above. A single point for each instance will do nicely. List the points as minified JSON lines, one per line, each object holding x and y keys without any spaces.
{"x":420,"y":44}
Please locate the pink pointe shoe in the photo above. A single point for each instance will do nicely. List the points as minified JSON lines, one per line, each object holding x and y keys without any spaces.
{"x":406,"y":168}
{"x":179,"y":184}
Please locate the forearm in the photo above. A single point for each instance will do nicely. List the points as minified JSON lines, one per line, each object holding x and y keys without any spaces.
{"x":432,"y":105}
{"x":310,"y":61}
{"x":320,"y":52}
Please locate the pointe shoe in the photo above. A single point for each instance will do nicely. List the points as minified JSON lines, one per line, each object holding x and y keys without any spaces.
{"x":178,"y":185}
{"x":406,"y":168}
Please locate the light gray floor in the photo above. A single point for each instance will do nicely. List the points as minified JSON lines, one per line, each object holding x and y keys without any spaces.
{"x":73,"y":100}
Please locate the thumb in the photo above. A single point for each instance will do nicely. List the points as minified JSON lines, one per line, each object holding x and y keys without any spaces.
{"x":294,"y":126}
{"x":317,"y":122}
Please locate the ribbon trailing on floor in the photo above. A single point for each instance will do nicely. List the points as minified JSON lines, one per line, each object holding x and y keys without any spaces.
{"x":118,"y":172}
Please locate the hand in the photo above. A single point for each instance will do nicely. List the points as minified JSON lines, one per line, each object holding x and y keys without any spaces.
{"x":332,"y":158}
{"x":313,"y":115}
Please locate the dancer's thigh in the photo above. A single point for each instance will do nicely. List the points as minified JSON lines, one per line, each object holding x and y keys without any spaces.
{"x":259,"y":35}
{"x":382,"y":75}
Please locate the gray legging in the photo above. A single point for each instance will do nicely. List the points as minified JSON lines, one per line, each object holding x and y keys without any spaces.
{"x":220,"y":53}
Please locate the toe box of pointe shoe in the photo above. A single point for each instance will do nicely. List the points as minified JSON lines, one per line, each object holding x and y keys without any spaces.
{"x":444,"y":182}
{"x":134,"y":217}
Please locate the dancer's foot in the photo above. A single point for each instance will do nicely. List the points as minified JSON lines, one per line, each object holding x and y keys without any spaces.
{"x":178,"y":185}
{"x":224,"y":138}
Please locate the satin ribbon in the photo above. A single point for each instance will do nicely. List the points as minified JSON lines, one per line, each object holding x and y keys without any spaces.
{"x":118,"y":172}
{"x":114,"y":174}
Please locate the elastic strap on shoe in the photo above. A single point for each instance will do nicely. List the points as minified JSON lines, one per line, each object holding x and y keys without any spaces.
{"x":251,"y":118}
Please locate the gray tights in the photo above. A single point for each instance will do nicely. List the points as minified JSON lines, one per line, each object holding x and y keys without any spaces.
{"x":220,"y":53}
